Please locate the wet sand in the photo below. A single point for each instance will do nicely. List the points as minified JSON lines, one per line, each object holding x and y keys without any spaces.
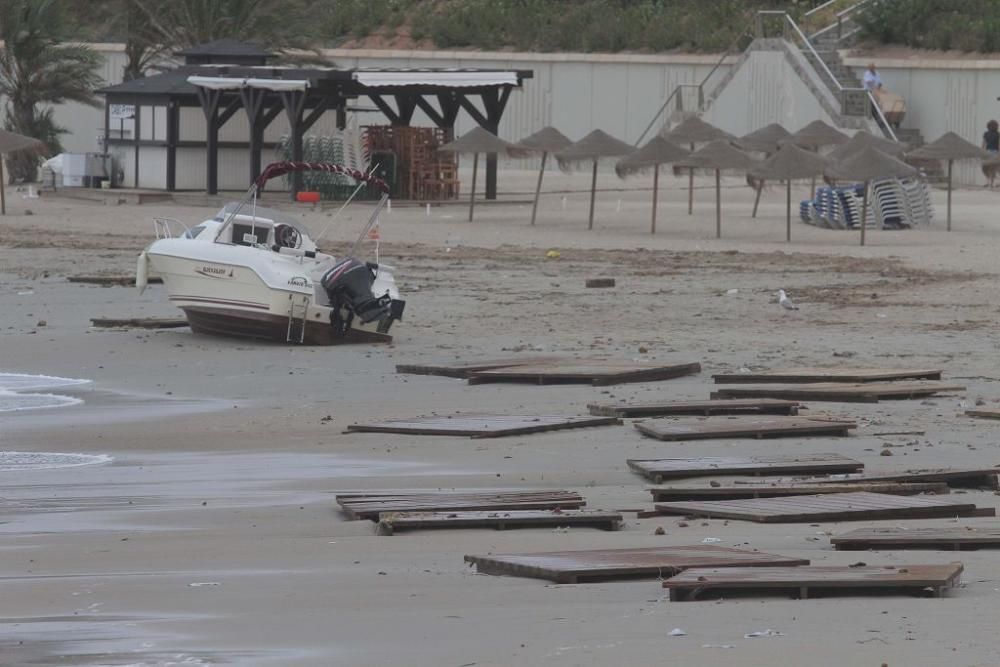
{"x":225,"y":465}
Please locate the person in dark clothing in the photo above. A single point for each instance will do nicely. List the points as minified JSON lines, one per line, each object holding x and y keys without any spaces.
{"x":991,"y":143}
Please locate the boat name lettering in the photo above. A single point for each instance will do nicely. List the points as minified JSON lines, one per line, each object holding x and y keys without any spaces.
{"x":298,"y":281}
{"x":214,"y":271}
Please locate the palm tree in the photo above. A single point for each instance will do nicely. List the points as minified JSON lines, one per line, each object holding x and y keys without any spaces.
{"x":37,"y":70}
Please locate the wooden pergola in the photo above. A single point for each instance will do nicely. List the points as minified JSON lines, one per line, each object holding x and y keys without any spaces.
{"x":226,"y":76}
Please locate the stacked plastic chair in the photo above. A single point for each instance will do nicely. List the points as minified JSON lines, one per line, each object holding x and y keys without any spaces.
{"x":894,"y":204}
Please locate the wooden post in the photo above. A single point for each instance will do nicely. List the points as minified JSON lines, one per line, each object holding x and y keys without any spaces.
{"x":656,"y":189}
{"x":718,"y":204}
{"x":538,"y":188}
{"x":593,"y":194}
{"x":788,"y":211}
{"x":173,"y":127}
{"x":3,"y":197}
{"x":137,"y":131}
{"x":864,"y":213}
{"x":472,"y":196}
{"x":950,"y":163}
{"x":691,"y":187}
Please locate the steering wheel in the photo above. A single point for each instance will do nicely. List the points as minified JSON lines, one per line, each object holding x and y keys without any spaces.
{"x":287,"y":236}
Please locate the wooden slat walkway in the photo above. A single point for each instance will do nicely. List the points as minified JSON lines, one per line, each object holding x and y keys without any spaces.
{"x":571,"y":567}
{"x":370,"y":505}
{"x":674,"y":468}
{"x":139,"y":322}
{"x":858,"y":506}
{"x":741,"y":427}
{"x":838,"y":392}
{"x":830,"y":375}
{"x":967,"y":537}
{"x":393,"y":522}
{"x":707,"y":408}
{"x":953,"y":477}
{"x":803,"y":580}
{"x":583,"y":371}
{"x":482,"y":426}
{"x":461,"y":369}
{"x":675,"y":493}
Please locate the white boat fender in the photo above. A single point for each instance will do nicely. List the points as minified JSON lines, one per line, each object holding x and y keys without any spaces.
{"x":142,"y":272}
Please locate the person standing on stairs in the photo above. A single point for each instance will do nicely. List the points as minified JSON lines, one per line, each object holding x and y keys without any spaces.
{"x":872,"y":81}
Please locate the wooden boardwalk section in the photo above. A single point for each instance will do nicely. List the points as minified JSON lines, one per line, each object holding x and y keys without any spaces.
{"x":953,"y":477}
{"x":837,"y":392}
{"x":369,"y":505}
{"x":482,"y":426}
{"x":393,"y":522}
{"x":984,"y":414}
{"x":582,"y":371}
{"x":113,"y":281}
{"x":461,"y":369}
{"x":762,"y":406}
{"x":860,"y":506}
{"x":741,"y":427}
{"x":804,"y":581}
{"x":138,"y":322}
{"x":571,"y":567}
{"x":856,"y":375}
{"x":738,"y":492}
{"x":706,"y":466}
{"x":945,"y":538}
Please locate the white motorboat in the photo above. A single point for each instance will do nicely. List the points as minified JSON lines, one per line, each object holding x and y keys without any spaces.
{"x":254,"y":272}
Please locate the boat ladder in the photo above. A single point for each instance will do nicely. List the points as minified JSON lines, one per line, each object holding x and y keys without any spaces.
{"x":298,"y":310}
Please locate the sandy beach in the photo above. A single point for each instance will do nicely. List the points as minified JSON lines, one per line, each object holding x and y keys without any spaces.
{"x":212,"y":536}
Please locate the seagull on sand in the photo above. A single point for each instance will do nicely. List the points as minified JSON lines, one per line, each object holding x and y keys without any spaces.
{"x":785,"y":302}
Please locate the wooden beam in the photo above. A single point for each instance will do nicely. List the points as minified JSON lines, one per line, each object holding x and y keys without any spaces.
{"x":386,"y":110}
{"x":436,"y":117}
{"x":173,"y":132}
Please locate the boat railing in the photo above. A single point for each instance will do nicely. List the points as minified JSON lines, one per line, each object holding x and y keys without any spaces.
{"x":164,"y":230}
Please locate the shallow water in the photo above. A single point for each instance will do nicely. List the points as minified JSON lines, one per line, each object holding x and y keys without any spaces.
{"x":13,"y":388}
{"x":48,"y":460}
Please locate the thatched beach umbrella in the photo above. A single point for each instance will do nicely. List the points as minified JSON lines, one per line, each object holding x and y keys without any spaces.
{"x":866,"y":166}
{"x":545,"y":141}
{"x":788,"y":164}
{"x":11,"y":142}
{"x":719,"y":156}
{"x":950,"y":147}
{"x":658,"y":151}
{"x":691,"y":131}
{"x":862,"y":140}
{"x":765,"y":140}
{"x":477,"y":141}
{"x":815,"y":136}
{"x":592,"y":148}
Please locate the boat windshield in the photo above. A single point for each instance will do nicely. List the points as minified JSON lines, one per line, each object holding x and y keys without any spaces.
{"x":262,"y":212}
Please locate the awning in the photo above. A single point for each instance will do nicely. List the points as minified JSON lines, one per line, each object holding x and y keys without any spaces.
{"x":455,"y":79}
{"x":232,"y":83}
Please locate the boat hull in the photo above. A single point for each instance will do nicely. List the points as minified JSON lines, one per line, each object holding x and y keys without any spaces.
{"x":265,"y":326}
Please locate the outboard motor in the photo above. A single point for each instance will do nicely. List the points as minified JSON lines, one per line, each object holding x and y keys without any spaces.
{"x":349,"y":285}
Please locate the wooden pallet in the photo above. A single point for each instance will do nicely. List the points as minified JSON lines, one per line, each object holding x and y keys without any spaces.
{"x":967,"y":537}
{"x":392,"y":522}
{"x":369,"y":505}
{"x":706,"y":408}
{"x":984,"y":414}
{"x":830,"y":375}
{"x":675,"y":493}
{"x":482,"y":426}
{"x":707,"y":466}
{"x":838,"y":392}
{"x":139,"y":322}
{"x":860,"y":506}
{"x":461,"y":369}
{"x":572,"y":567}
{"x":582,"y":371}
{"x":953,"y":477}
{"x":741,"y":427}
{"x":803,"y":580}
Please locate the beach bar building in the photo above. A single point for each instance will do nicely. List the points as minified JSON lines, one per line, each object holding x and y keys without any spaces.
{"x":212,"y":122}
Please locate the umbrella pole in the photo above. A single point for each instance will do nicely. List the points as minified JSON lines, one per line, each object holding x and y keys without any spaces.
{"x":788,"y":211}
{"x":538,"y":189}
{"x":593,"y":193}
{"x":691,"y":187}
{"x":656,"y":188}
{"x":472,"y":196}
{"x":864,"y":213}
{"x":3,"y":197}
{"x":950,"y":163}
{"x":718,"y":204}
{"x":756,"y":201}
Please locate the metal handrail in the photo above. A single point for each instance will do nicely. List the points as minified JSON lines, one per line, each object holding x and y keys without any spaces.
{"x":811,"y":50}
{"x":701,"y":95}
{"x":841,"y":16}
{"x":821,"y":7}
{"x":886,"y":127}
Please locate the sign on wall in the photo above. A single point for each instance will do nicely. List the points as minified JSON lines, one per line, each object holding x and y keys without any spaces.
{"x":121,"y":111}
